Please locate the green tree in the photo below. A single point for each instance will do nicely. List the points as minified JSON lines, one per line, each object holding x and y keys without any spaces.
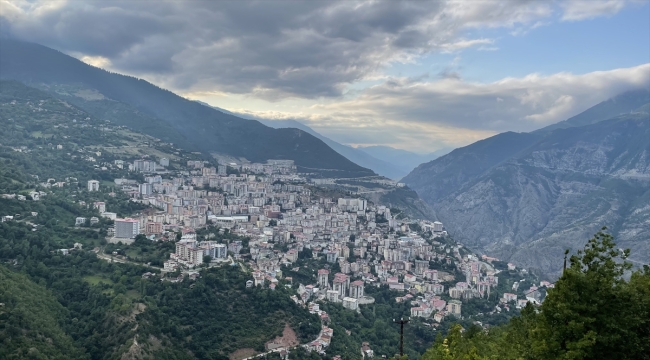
{"x":593,"y":312}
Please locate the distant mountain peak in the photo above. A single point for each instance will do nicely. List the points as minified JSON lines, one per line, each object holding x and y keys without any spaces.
{"x":624,"y":103}
{"x":525,"y":197}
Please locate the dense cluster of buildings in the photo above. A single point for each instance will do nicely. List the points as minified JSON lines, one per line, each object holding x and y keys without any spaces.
{"x":270,"y":204}
{"x":190,"y":252}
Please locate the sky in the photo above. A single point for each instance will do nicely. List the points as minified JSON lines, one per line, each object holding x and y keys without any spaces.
{"x":415,"y":75}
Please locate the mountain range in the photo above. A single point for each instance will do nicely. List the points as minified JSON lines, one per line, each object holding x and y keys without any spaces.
{"x":384,"y":160}
{"x":147,"y":108}
{"x":526,"y":197}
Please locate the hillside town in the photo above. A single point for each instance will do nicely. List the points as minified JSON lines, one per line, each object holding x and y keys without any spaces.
{"x":276,"y":217}
{"x":282,"y":215}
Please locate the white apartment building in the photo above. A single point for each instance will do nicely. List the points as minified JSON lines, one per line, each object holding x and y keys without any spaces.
{"x":126,"y":228}
{"x":110,"y":215}
{"x":146,"y":189}
{"x":100,"y":206}
{"x":144,"y":165}
{"x":221,"y":251}
{"x":350,"y":303}
{"x":93,"y":185}
{"x":352,"y":204}
{"x":356,"y":289}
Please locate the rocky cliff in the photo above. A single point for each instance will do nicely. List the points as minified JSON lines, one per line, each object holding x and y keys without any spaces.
{"x":528,"y":197}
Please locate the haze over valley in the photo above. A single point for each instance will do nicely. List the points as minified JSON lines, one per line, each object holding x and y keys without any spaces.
{"x":289,"y":180}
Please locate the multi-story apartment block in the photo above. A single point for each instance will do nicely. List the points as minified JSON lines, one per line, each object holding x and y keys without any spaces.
{"x":146,"y":189}
{"x":454,"y":307}
{"x":221,"y":251}
{"x":153,"y":228}
{"x":350,"y":303}
{"x":323,"y":278}
{"x":333,"y":296}
{"x":421,"y":266}
{"x":341,"y":284}
{"x":100,"y":206}
{"x":144,"y":166}
{"x":93,"y":185}
{"x":188,"y":251}
{"x":356,"y":289}
{"x":126,"y":228}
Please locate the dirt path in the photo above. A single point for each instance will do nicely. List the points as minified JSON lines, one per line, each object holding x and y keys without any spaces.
{"x":288,"y":339}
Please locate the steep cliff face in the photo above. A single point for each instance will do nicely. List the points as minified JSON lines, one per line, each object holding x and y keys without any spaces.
{"x":437,"y":179}
{"x":552,"y":192}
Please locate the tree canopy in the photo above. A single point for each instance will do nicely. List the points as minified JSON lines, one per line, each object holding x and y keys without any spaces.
{"x":594,"y":311}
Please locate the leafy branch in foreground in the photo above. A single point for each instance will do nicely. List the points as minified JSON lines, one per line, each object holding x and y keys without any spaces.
{"x":592,"y":313}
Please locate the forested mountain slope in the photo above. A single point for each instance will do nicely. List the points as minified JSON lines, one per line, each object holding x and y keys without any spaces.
{"x":357,"y":156}
{"x":30,"y":318}
{"x":78,"y":306}
{"x":144,"y":107}
{"x":527,"y":197}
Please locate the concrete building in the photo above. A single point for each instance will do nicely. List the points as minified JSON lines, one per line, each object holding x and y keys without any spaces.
{"x":333,"y":296}
{"x":126,"y":228}
{"x":356,"y":289}
{"x":146,"y":189}
{"x":352,"y":204}
{"x":453,"y":307}
{"x":341,"y":284}
{"x":323,"y":278}
{"x":144,"y":165}
{"x":421,"y":266}
{"x":431,"y":275}
{"x":164,"y":162}
{"x":191,"y":254}
{"x":153,"y":227}
{"x":221,"y":251}
{"x":350,"y":303}
{"x":100,"y":206}
{"x":93,"y":185}
{"x":109,"y":215}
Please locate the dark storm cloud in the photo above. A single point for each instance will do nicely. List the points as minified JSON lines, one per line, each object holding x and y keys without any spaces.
{"x":277,"y":50}
{"x":269,"y":49}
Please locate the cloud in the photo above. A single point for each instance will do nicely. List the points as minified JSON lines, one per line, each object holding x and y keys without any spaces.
{"x":270,"y":50}
{"x":96,"y":61}
{"x":588,"y":9}
{"x":464,"y":43}
{"x":327,"y":62}
{"x":428,"y":114}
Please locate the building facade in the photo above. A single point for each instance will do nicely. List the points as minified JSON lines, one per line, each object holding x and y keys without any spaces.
{"x":126,"y":228}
